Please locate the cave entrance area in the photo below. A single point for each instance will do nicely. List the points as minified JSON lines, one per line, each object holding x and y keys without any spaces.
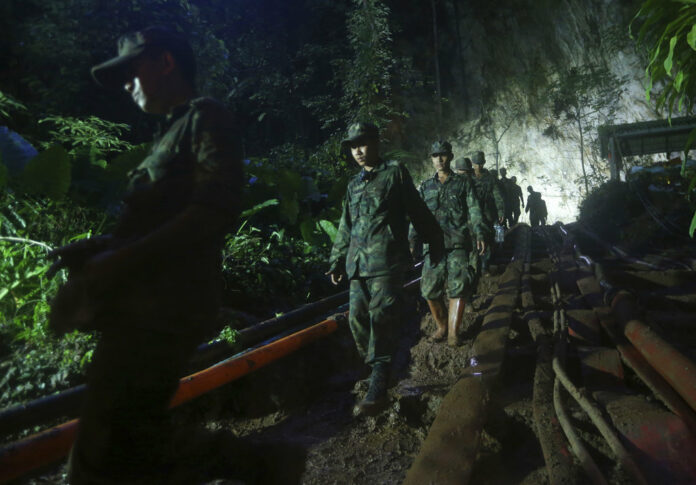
{"x":643,"y":138}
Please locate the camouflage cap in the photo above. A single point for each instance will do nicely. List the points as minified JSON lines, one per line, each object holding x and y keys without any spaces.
{"x":359,"y":130}
{"x":112,"y":73}
{"x":461,"y":164}
{"x":478,"y":158}
{"x":441,"y":146}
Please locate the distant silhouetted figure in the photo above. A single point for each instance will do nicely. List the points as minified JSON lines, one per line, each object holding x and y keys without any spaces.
{"x":536,"y":208}
{"x":515,"y":194}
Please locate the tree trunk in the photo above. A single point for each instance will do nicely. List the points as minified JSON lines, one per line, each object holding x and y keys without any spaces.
{"x":438,"y":85}
{"x":582,"y":153}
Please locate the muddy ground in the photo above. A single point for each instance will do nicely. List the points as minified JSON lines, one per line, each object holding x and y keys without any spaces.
{"x":306,"y":403}
{"x":293,"y":421}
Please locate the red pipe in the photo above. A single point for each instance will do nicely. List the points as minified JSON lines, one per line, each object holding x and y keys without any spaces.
{"x":671,"y":364}
{"x":51,"y":445}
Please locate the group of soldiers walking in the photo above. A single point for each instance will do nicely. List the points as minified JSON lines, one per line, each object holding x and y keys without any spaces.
{"x":181,"y":201}
{"x":454,"y":217}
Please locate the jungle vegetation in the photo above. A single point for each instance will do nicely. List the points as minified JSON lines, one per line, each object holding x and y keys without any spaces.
{"x":294,"y":73}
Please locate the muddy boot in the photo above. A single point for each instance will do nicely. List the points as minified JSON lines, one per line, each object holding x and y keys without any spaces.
{"x":456,"y":312}
{"x":437,"y":308}
{"x":376,"y":396}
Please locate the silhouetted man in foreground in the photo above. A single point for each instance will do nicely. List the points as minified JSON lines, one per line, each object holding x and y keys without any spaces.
{"x":152,"y":287}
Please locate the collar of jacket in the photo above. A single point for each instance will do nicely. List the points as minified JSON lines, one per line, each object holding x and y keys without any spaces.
{"x":169,"y":120}
{"x":367,"y":175}
{"x":449,"y":177}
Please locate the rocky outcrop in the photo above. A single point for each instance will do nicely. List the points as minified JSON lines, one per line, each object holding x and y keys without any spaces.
{"x":512,"y":53}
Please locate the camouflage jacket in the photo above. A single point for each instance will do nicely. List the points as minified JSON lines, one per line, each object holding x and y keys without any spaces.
{"x":456,"y":208}
{"x":195,"y":161}
{"x":372,"y":238}
{"x":491,"y":196}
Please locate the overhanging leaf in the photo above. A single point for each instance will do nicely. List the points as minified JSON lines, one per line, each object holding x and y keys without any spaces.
{"x":670,"y":56}
{"x":692,"y":227}
{"x":259,"y":207}
{"x":691,"y":37}
{"x":329,"y":228}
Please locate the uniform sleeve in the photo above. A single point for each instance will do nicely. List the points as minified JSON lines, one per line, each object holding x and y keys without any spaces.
{"x":413,"y":238}
{"x":422,"y":219}
{"x":216,"y":148}
{"x":337,"y":259}
{"x":475,"y":212}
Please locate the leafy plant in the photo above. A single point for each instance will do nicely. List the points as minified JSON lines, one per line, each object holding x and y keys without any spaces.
{"x":667,"y":28}
{"x":8,"y":104}
{"x":367,"y":78}
{"x":91,"y":135}
{"x":585,"y":97}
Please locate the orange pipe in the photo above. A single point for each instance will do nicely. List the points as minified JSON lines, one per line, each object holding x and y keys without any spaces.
{"x":51,"y":445}
{"x":675,"y":367}
{"x":235,"y":367}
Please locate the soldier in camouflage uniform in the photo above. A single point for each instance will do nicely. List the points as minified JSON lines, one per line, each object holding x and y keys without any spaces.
{"x":156,"y":284}
{"x":462,"y":166}
{"x":450,"y":197}
{"x":492,"y":203}
{"x":371,"y":248}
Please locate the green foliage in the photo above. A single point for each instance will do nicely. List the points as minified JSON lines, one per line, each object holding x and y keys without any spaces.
{"x":8,"y":104}
{"x":91,"y":135}
{"x":266,"y":263}
{"x":667,"y":29}
{"x":329,"y":228}
{"x":228,"y":334}
{"x":367,"y":77}
{"x":295,"y":193}
{"x":35,"y":363}
{"x":42,"y":366}
{"x":583,"y":98}
{"x":668,"y":33}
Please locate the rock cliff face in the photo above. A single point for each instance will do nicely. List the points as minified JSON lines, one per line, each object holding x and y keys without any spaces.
{"x":513,"y":56}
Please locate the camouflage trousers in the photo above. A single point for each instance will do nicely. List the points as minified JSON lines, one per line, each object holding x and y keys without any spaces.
{"x":454,"y":270}
{"x":375,"y":311}
{"x":125,"y":424}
